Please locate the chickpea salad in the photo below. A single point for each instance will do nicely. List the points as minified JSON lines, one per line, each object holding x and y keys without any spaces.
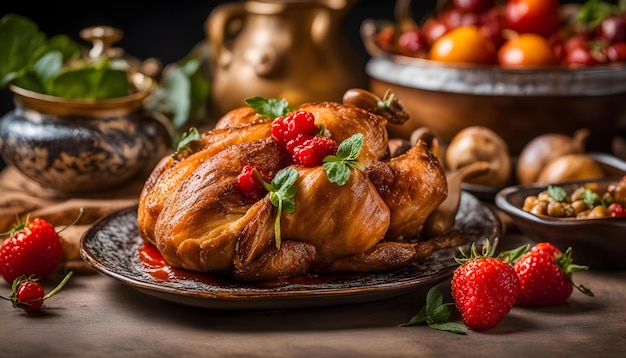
{"x":588,"y":201}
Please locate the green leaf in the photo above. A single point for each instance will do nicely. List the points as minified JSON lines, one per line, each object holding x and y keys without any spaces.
{"x":20,"y":45}
{"x":350,"y":148}
{"x":68,"y":47}
{"x":338,"y":166}
{"x":282,"y":191}
{"x":590,"y":198}
{"x":337,"y":172}
{"x":89,"y":82}
{"x":48,"y":65}
{"x":436,"y":314}
{"x":186,"y":139}
{"x":268,"y":108}
{"x":418,"y":319}
{"x":450,"y":327}
{"x":557,"y":193}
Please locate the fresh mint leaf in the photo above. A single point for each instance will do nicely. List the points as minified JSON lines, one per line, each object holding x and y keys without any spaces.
{"x":186,"y":139}
{"x":557,"y":193}
{"x":268,"y":107}
{"x":436,"y":314}
{"x":338,"y":166}
{"x":282,"y":191}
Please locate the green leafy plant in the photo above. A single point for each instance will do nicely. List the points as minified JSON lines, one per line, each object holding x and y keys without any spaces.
{"x":338,"y":166}
{"x":184,"y":90}
{"x":282,"y":191}
{"x":31,"y":60}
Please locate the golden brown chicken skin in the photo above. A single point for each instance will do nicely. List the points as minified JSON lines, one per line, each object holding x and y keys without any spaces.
{"x":192,"y":210}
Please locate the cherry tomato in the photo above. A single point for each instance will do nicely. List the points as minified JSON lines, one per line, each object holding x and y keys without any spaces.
{"x":433,"y":29}
{"x":616,"y":210}
{"x":526,"y":50}
{"x":612,"y":29}
{"x":579,"y":56}
{"x":412,"y":43}
{"x":616,"y":52}
{"x":465,"y":44}
{"x":385,"y":38}
{"x":532,"y":16}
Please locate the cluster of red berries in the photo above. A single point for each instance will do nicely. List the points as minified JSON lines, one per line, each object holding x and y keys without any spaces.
{"x":297,"y":134}
{"x":485,"y":288}
{"x":32,"y":251}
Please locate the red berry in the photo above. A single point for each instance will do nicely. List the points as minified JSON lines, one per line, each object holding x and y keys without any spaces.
{"x":29,"y":296}
{"x":545,"y":276}
{"x":484,"y":289}
{"x":33,"y":249}
{"x":285,"y":129}
{"x":312,"y":152}
{"x":616,"y":210}
{"x":249,"y":184}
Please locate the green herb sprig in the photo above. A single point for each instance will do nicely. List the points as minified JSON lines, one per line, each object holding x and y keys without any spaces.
{"x":338,"y":166}
{"x":557,"y":193}
{"x":268,"y":107}
{"x":436,"y":314}
{"x":282,"y":191}
{"x":185,"y":140}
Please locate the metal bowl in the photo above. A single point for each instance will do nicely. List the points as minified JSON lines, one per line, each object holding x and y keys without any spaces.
{"x":517,"y":104}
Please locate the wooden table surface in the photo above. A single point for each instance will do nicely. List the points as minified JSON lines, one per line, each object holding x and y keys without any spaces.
{"x":98,"y":316}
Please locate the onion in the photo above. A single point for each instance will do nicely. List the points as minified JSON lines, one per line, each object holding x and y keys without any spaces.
{"x":567,"y":167}
{"x":540,"y":151}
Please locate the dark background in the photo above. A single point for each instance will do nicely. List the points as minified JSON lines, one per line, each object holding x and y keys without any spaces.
{"x":168,"y":30}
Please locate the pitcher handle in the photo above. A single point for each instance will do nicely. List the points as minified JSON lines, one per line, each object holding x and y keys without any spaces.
{"x":216,"y":27}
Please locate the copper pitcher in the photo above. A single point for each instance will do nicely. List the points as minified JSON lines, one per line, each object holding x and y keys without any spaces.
{"x":291,"y":49}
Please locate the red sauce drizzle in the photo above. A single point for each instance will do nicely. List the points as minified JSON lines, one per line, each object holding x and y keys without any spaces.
{"x":154,"y":264}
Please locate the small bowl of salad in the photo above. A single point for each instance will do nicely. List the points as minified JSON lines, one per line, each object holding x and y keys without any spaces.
{"x":588,"y":216}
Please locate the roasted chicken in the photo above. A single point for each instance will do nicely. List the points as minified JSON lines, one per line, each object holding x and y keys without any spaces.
{"x":192,"y":210}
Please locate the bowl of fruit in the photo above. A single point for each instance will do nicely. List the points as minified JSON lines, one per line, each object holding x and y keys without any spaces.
{"x":519,"y":67}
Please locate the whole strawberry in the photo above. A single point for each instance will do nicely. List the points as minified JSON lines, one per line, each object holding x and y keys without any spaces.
{"x":33,"y":248}
{"x":29,"y":295}
{"x":545,"y":275}
{"x":484,"y":288}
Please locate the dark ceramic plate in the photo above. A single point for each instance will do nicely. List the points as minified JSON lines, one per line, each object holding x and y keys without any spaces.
{"x":112,"y":247}
{"x":599,"y":243}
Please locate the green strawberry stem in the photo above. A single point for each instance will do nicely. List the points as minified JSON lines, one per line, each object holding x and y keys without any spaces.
{"x":59,"y":286}
{"x":568,"y":267}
